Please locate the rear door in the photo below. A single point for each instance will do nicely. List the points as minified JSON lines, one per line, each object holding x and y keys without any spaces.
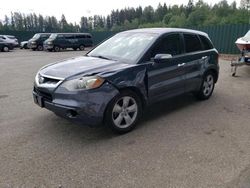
{"x":195,"y":57}
{"x":88,"y":40}
{"x":166,"y":79}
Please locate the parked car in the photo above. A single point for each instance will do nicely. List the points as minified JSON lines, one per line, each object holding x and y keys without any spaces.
{"x":24,"y":45}
{"x":5,"y":46}
{"x":36,"y":42}
{"x":15,"y":40}
{"x":58,"y":41}
{"x":10,"y":39}
{"x":114,"y":82}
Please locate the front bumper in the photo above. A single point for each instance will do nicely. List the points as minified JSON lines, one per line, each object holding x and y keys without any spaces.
{"x":48,"y":46}
{"x":87,"y":107}
{"x":32,"y":46}
{"x":16,"y":44}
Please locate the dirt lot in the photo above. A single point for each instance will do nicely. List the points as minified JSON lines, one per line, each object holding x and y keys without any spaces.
{"x":179,"y":143}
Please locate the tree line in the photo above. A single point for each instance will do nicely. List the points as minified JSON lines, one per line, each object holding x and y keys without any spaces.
{"x":190,"y":15}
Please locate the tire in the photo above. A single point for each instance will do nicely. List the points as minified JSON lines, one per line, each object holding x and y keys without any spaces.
{"x":57,"y":49}
{"x":40,"y":48}
{"x":6,"y":49}
{"x":123,"y":112}
{"x":81,"y":47}
{"x":207,"y":86}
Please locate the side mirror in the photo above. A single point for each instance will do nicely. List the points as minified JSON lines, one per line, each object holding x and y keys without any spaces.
{"x":161,"y":58}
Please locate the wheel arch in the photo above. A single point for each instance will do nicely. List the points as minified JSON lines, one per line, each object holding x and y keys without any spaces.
{"x":129,"y":88}
{"x":214,"y":72}
{"x":137,"y":92}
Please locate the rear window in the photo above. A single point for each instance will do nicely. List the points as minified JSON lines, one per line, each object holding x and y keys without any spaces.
{"x":192,"y":43}
{"x":206,"y":43}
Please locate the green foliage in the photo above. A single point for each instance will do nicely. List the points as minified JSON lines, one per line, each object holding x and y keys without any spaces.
{"x":190,"y":15}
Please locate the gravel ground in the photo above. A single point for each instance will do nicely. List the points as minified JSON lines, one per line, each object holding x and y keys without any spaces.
{"x":180,"y":143}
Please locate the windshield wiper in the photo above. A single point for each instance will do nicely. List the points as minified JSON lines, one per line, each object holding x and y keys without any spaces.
{"x":101,"y":57}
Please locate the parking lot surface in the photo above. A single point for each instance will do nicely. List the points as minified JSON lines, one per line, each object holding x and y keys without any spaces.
{"x":179,"y":143}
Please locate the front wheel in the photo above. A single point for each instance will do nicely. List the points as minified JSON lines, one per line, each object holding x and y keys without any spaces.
{"x":6,"y":49}
{"x":57,"y":49}
{"x":207,"y":86}
{"x":123,"y":112}
{"x":40,"y":48}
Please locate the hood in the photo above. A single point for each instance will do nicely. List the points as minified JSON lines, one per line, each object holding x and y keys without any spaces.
{"x":32,"y":40}
{"x":83,"y":66}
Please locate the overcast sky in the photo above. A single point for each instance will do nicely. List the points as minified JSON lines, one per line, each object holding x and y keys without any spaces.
{"x":74,"y":9}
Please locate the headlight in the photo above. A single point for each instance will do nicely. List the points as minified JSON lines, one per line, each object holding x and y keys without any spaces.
{"x":33,"y":42}
{"x":49,"y":43}
{"x":83,"y":83}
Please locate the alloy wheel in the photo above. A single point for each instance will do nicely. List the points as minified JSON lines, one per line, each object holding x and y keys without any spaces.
{"x":125,"y":112}
{"x":6,"y":49}
{"x":208,"y":85}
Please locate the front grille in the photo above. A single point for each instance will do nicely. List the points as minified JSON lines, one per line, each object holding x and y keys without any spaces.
{"x":43,"y":94}
{"x":46,"y":80}
{"x":50,"y":81}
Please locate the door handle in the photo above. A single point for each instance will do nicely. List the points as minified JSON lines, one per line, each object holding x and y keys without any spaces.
{"x":181,"y":64}
{"x":204,"y":57}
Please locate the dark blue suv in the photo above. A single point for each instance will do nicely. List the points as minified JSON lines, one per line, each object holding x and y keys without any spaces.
{"x":117,"y":79}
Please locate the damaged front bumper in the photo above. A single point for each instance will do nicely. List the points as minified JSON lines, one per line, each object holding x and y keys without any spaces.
{"x":84,"y":106}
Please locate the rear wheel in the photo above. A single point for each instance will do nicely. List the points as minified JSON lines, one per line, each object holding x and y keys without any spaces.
{"x":207,"y":86}
{"x":81,"y":47}
{"x":123,"y":112}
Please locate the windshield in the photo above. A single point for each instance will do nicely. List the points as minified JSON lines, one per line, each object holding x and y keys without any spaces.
{"x":247,"y":36}
{"x":36,"y":36}
{"x":11,"y":37}
{"x":53,"y":36}
{"x":124,"y":46}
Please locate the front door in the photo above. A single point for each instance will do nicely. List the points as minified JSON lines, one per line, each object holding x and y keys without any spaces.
{"x":166,"y":79}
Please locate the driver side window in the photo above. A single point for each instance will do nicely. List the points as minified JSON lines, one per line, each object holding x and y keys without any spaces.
{"x":171,"y":44}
